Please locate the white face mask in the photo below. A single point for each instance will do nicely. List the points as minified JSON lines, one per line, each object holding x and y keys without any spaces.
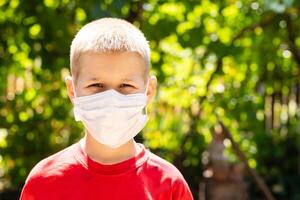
{"x":111,"y":117}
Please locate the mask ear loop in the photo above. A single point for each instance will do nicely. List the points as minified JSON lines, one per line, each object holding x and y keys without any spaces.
{"x":145,"y":108}
{"x":76,"y":115}
{"x":73,"y":87}
{"x":71,"y":79}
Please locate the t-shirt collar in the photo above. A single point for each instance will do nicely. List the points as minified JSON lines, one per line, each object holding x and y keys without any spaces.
{"x":111,"y":169}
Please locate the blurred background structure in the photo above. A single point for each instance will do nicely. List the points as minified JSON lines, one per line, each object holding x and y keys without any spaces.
{"x":234,"y":61}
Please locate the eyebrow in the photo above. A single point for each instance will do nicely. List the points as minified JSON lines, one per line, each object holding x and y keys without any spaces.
{"x":127,"y":80}
{"x":99,"y":79}
{"x":94,"y":79}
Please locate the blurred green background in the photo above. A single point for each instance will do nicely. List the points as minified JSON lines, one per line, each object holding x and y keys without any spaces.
{"x":237,"y":61}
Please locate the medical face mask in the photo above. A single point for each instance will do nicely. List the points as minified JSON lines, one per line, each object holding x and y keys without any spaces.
{"x":111,"y":117}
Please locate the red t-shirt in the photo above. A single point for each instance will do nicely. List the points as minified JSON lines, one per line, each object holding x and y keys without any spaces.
{"x":71,"y":174}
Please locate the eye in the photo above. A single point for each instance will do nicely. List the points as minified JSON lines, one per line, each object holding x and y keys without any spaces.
{"x":125,"y":85}
{"x":96,"y":85}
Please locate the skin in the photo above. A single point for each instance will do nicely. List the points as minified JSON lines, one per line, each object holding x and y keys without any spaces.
{"x":124,"y":72}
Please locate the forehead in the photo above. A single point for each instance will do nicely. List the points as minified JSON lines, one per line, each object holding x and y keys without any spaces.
{"x":111,"y":65}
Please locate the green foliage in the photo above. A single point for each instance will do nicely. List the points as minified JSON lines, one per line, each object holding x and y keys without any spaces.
{"x":228,"y":60}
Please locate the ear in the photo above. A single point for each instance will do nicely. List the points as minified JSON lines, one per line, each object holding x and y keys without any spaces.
{"x":70,"y":88}
{"x":152,"y":83}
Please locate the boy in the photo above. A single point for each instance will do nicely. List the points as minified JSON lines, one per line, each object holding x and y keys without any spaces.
{"x":109,"y":89}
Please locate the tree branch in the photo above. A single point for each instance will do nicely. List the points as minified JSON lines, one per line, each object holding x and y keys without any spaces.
{"x":257,"y":178}
{"x":292,"y":38}
{"x":267,"y":21}
{"x":136,"y":9}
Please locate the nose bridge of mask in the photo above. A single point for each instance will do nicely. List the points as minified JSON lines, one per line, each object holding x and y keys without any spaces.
{"x":110,"y":98}
{"x":115,"y":97}
{"x":109,"y":103}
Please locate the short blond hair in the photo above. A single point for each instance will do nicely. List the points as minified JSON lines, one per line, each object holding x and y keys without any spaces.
{"x":107,"y":35}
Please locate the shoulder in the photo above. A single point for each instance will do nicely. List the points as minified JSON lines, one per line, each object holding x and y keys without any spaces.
{"x":169,"y":173}
{"x":48,"y":172}
{"x":164,"y":166}
{"x":53,"y":165}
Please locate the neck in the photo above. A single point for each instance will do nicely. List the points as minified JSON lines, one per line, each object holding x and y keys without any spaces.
{"x":107,"y":155}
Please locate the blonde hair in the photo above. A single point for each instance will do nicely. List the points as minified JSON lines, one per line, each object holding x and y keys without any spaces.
{"x":108,"y":35}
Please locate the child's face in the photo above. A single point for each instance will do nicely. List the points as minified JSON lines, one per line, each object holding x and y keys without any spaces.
{"x":124,"y":72}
